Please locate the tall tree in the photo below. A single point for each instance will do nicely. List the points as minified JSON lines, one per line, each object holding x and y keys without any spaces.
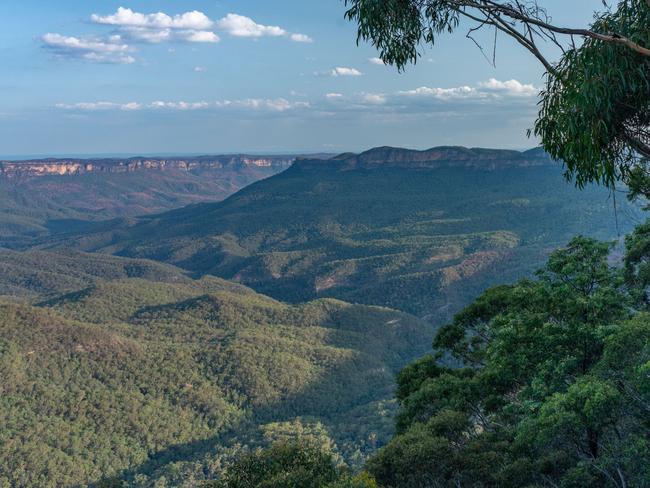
{"x":594,"y":112}
{"x":553,"y":388}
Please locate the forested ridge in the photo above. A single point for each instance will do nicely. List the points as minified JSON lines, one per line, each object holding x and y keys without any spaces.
{"x":423,"y":239}
{"x":165,"y":379}
{"x":545,"y":382}
{"x":552,"y":390}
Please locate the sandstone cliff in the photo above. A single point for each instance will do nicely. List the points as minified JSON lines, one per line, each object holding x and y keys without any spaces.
{"x":437,"y":157}
{"x":63,"y":167}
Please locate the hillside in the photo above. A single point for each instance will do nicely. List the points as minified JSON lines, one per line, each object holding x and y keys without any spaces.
{"x":163,"y":377}
{"x":420,"y":231}
{"x":38,"y":274}
{"x":36,"y":195}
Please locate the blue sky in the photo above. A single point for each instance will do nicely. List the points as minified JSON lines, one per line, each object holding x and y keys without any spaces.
{"x":198,"y":76}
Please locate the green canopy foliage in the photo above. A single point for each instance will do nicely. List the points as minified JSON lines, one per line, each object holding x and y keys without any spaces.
{"x":550,"y":386}
{"x":595,"y":110}
{"x":290,"y":465}
{"x":161,"y":380}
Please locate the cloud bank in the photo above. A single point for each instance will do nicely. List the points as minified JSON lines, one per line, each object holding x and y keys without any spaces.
{"x":132,"y":27}
{"x":257,"y":104}
{"x":241,"y":26}
{"x":343,"y":71}
{"x":490,"y":95}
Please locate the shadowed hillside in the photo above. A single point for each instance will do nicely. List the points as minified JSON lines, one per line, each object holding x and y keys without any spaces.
{"x":39,"y":195}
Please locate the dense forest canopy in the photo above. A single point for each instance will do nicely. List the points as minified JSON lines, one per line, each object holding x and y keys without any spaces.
{"x":129,"y":372}
{"x":540,"y":383}
{"x":553,"y":388}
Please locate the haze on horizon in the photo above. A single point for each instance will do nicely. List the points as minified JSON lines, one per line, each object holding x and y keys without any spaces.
{"x":144,"y":77}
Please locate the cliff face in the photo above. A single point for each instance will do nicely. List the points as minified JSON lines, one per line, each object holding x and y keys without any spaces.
{"x":381,"y":157}
{"x":64,"y":167}
{"x":438,"y":157}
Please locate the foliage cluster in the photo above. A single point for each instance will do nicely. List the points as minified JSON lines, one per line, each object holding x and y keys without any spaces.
{"x":551,"y":389}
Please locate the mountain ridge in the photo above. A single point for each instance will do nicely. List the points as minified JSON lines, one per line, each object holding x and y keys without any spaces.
{"x":79,"y":166}
{"x":132,"y":369}
{"x":421,"y":237}
{"x":384,"y":156}
{"x":435,"y":157}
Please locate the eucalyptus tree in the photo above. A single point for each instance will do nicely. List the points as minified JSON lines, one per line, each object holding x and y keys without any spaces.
{"x":594,"y":112}
{"x":553,"y":389}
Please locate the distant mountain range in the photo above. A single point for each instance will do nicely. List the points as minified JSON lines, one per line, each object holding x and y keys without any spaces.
{"x":420,"y":231}
{"x":434,"y":158}
{"x":36,"y":194}
{"x":383,"y":156}
{"x":63,"y":167}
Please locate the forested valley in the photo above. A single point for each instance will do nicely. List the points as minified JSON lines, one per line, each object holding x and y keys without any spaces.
{"x":392,"y":318}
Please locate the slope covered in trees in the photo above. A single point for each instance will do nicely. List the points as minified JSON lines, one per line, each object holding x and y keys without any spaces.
{"x":128,"y":369}
{"x":423,"y":232}
{"x":40,"y":274}
{"x":540,"y":383}
{"x":160,"y":377}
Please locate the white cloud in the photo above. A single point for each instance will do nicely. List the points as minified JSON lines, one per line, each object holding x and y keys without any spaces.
{"x":459,"y":99}
{"x":125,"y":17}
{"x":198,"y":36}
{"x":199,"y":69}
{"x":92,"y":106}
{"x":131,"y":106}
{"x":257,"y":104}
{"x":110,"y":50}
{"x":510,"y":87}
{"x":443,"y":93}
{"x":179,"y":105}
{"x":241,"y":26}
{"x":301,"y":38}
{"x":377,"y":61}
{"x":343,"y":71}
{"x":491,"y":89}
{"x":155,"y":28}
{"x":148,"y":35}
{"x":159,"y":27}
{"x":374,"y":98}
{"x":166,"y":35}
{"x":276,"y":105}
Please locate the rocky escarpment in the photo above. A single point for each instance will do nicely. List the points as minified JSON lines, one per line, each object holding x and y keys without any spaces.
{"x":437,"y":157}
{"x":64,"y":167}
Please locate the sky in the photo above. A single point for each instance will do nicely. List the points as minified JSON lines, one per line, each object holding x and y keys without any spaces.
{"x":281,"y":76}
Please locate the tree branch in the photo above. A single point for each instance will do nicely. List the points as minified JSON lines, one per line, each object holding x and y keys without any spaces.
{"x":532,"y":18}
